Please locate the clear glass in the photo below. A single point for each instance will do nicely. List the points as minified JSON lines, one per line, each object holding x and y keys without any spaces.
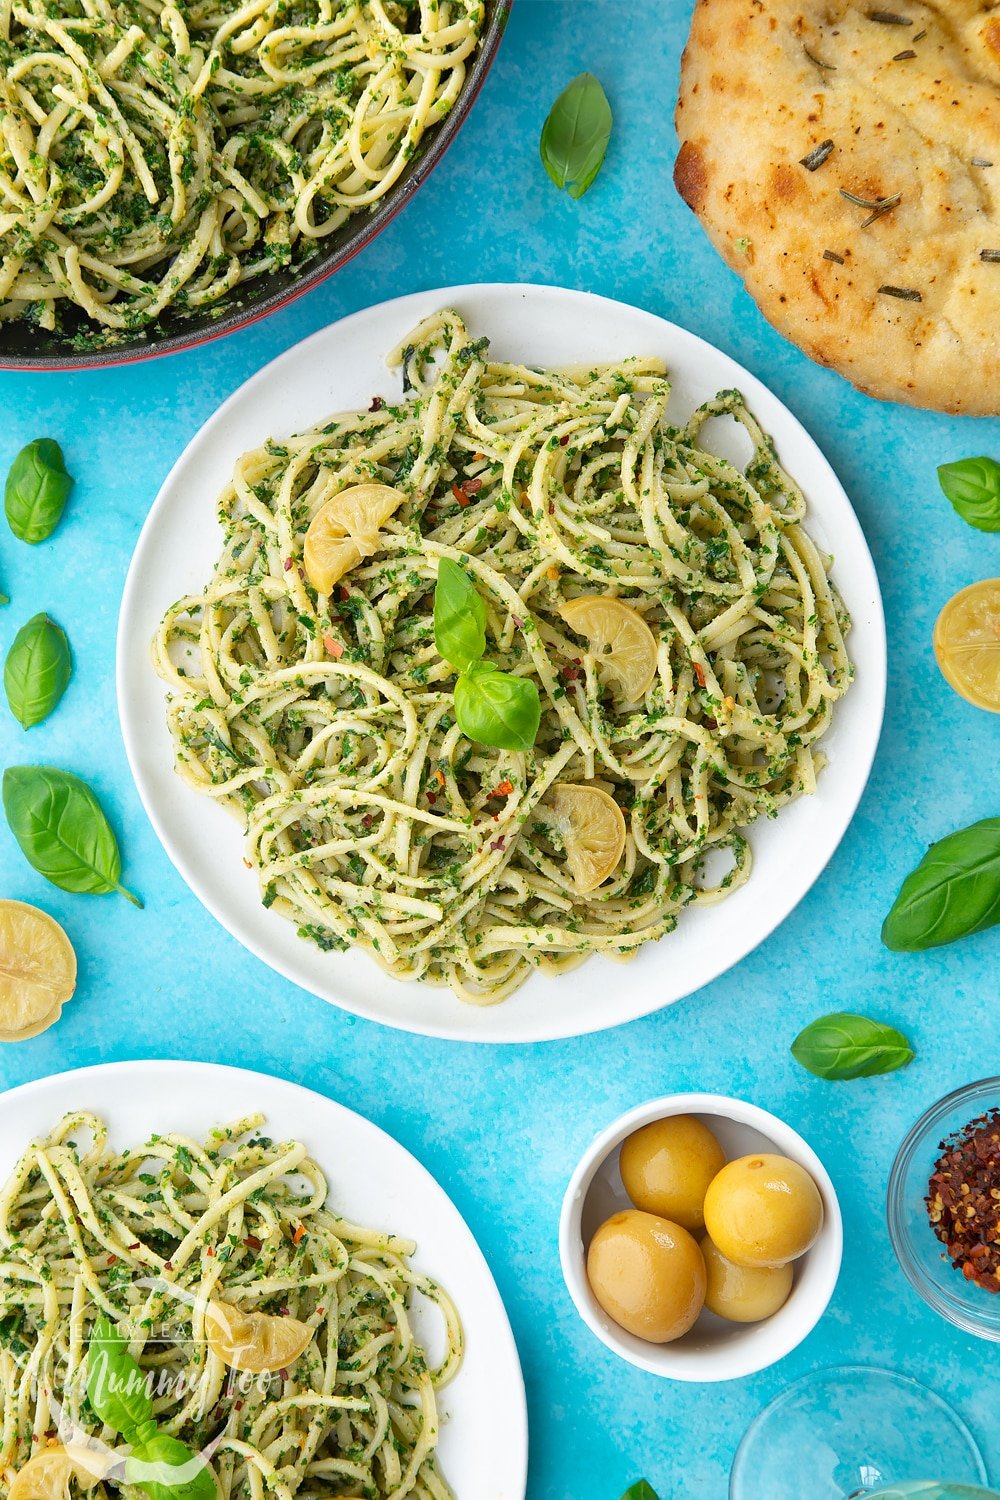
{"x":924,"y":1490}
{"x":854,"y":1432}
{"x":919,"y":1252}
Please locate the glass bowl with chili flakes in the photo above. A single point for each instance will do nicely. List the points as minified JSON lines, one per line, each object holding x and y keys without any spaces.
{"x":944,"y":1207}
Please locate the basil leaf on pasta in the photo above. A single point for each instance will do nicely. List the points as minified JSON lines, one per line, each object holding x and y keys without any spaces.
{"x":459,"y":617}
{"x":117,"y":1389}
{"x":497,"y":708}
{"x":168,"y":1469}
{"x":37,"y":670}
{"x":575,"y":136}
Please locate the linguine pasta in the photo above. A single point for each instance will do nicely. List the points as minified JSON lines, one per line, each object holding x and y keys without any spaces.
{"x":149,"y":1238}
{"x":328,"y":722}
{"x":155,"y":155}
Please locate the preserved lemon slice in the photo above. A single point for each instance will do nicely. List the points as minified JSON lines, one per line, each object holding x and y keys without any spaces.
{"x":256,"y":1342}
{"x":345,"y":530}
{"x":37,"y":970}
{"x":619,"y":638}
{"x":46,"y":1476}
{"x":967,"y":643}
{"x":593,"y":832}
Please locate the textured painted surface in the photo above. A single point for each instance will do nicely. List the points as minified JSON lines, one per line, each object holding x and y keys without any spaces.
{"x":503,"y":1128}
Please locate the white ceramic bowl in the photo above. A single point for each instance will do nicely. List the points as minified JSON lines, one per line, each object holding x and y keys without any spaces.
{"x":714,"y":1349}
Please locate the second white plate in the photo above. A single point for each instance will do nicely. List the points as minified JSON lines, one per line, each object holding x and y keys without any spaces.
{"x":372,"y":1180}
{"x":342,"y":367}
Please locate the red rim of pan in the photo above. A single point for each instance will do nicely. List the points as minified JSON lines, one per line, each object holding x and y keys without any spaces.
{"x":497,"y":12}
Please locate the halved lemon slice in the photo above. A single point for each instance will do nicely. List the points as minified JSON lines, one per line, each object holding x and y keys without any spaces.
{"x":618,"y":637}
{"x":46,"y":1475}
{"x":256,"y":1342}
{"x":592,"y":826}
{"x":967,"y":643}
{"x":37,"y":970}
{"x":345,"y":530}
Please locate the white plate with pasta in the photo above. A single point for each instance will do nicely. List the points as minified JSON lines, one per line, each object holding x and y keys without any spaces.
{"x":526,"y":651}
{"x":380,"y":1356}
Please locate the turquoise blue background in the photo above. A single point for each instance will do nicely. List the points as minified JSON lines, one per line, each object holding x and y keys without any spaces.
{"x":502,"y":1128}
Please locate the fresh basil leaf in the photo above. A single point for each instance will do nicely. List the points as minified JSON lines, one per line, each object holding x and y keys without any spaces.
{"x":117,"y":1388}
{"x":496,"y":708}
{"x":973,"y":487}
{"x":459,"y":617}
{"x":954,"y":891}
{"x":37,"y":670}
{"x":37,"y":489}
{"x":641,"y":1490}
{"x":62,"y":831}
{"x":575,"y":136}
{"x":843,"y":1045}
{"x":168,"y":1469}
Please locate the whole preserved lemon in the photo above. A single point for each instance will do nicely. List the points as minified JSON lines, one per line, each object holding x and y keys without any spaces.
{"x":666,"y":1167}
{"x":763,"y":1210}
{"x":743,"y":1294}
{"x":648,"y":1275}
{"x":967,"y":643}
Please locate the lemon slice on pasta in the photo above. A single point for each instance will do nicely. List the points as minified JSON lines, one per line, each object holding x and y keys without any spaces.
{"x":46,"y":1475}
{"x":618,"y":637}
{"x":967,"y":643}
{"x":37,"y":971}
{"x":592,"y":827}
{"x":345,"y":530}
{"x":256,"y":1342}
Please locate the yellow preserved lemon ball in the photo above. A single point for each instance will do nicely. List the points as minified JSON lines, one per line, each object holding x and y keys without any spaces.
{"x":37,"y":971}
{"x":763,"y":1210}
{"x":648,"y":1275}
{"x":666,"y":1167}
{"x":967,"y":643}
{"x":743,"y":1294}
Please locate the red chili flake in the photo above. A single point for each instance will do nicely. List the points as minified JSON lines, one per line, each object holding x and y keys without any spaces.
{"x":552,"y":507}
{"x":254,"y":1242}
{"x":518,"y":622}
{"x":699,"y":672}
{"x":301,"y":572}
{"x":112,"y":1260}
{"x":377,"y":404}
{"x":289,"y":564}
{"x":432,"y":798}
{"x":133,"y":1247}
{"x":333,"y":647}
{"x":320,"y":1311}
{"x":564,"y":440}
{"x":460,"y":495}
{"x":472,"y":486}
{"x":342,"y":592}
{"x":439,"y":777}
{"x":367,"y":820}
{"x":569,"y":673}
{"x":237,"y":1405}
{"x":297,"y":1237}
{"x":710,"y":723}
{"x":963,"y":1200}
{"x":168,"y":1265}
{"x":283,"y":1311}
{"x":283,"y":1374}
{"x":209,"y":1251}
{"x":498,"y":843}
{"x":502,"y":789}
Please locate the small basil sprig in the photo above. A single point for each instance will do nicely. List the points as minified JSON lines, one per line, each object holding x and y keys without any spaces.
{"x":641,"y":1490}
{"x":62,"y":831}
{"x":492,"y":707}
{"x":973,"y":487}
{"x":37,"y":489}
{"x":953,"y":892}
{"x":843,"y":1045}
{"x":575,"y":136}
{"x":37,"y":670}
{"x":118,"y":1392}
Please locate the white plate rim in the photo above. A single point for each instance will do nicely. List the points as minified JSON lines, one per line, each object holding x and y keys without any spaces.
{"x":508,"y":1022}
{"x":14,"y":1138}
